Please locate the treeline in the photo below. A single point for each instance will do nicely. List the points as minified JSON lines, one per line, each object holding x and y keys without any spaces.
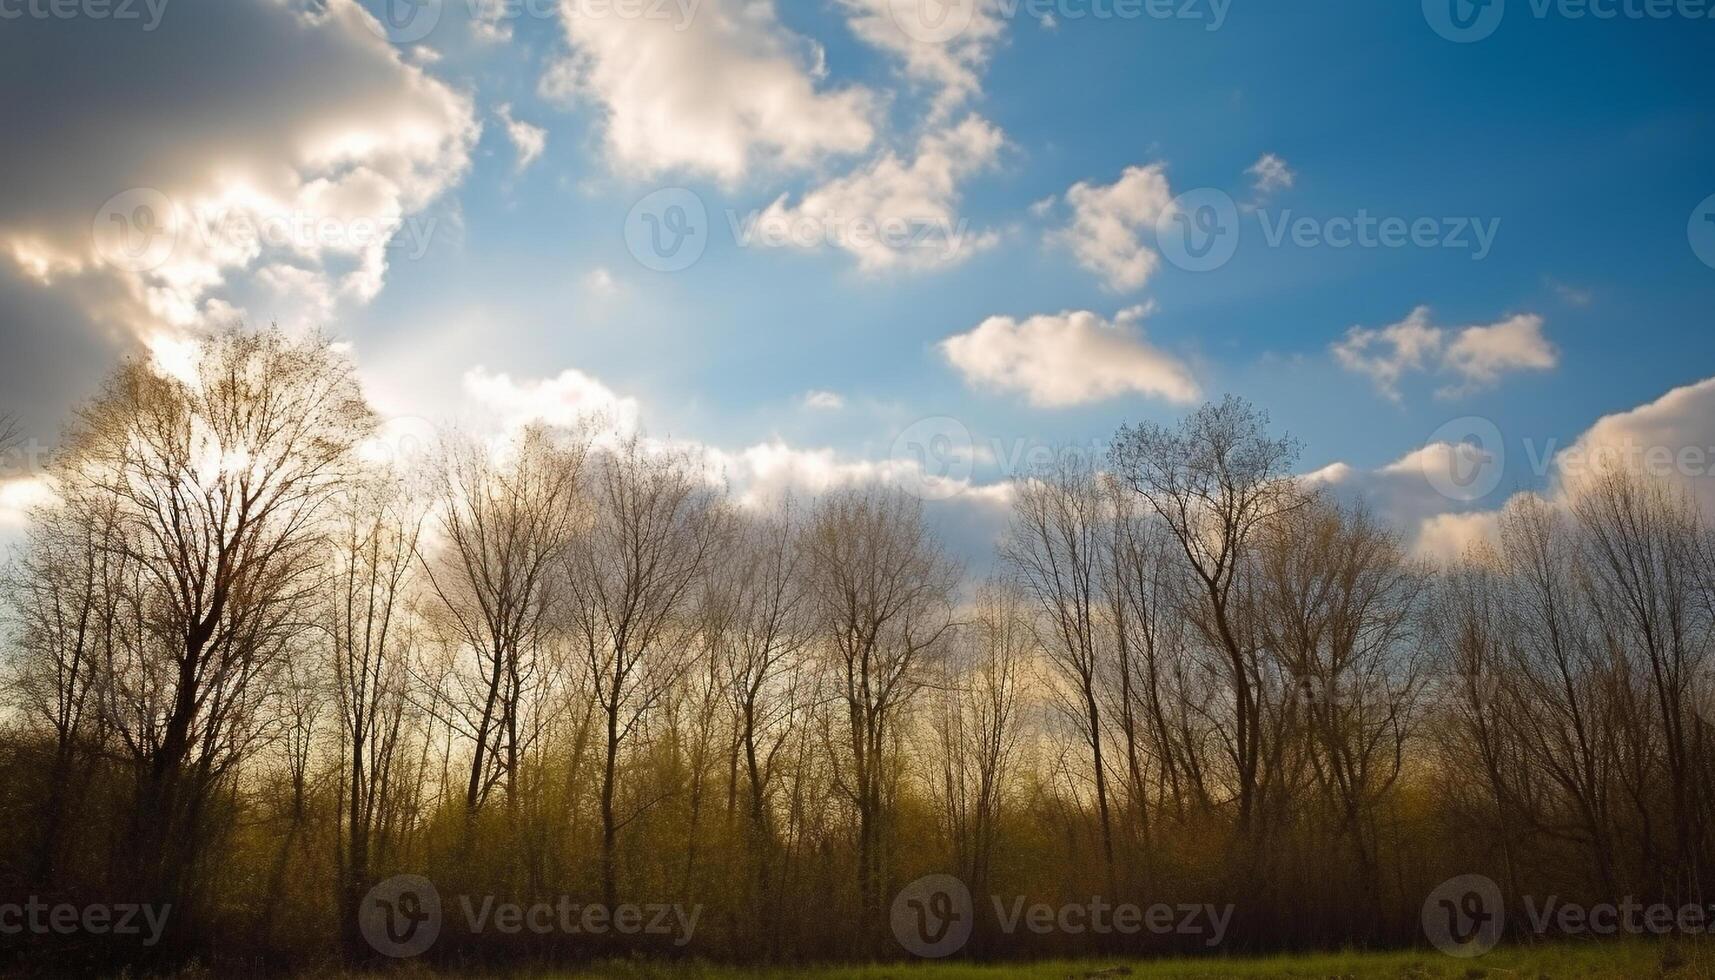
{"x":255,"y":666}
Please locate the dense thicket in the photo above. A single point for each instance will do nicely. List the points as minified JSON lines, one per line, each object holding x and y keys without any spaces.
{"x":256,"y":664}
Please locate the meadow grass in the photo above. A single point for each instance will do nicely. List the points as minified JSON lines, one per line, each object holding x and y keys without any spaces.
{"x":1606,"y":960}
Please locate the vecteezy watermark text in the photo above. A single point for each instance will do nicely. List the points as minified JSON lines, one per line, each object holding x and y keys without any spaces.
{"x":1465,"y":916}
{"x":402,"y":916}
{"x":142,"y":229}
{"x":934,"y":916}
{"x":41,"y":918}
{"x":149,"y":12}
{"x":1201,"y":230}
{"x":1467,"y":21}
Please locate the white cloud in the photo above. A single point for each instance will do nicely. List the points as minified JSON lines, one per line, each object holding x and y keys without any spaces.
{"x":490,"y":20}
{"x":1069,"y":359}
{"x":970,"y":515}
{"x":1107,"y":222}
{"x":528,"y":140}
{"x":828,"y":401}
{"x":19,"y":496}
{"x":1445,"y":538}
{"x":268,"y":146}
{"x":714,"y":95}
{"x":954,"y":65}
{"x":570,"y":398}
{"x":1670,"y":439}
{"x":1480,"y":355}
{"x":1385,"y":355}
{"x":1473,"y":357}
{"x":1269,"y":174}
{"x":1433,"y":526}
{"x":893,"y":213}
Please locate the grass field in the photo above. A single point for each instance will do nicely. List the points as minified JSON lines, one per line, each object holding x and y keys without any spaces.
{"x":1617,"y":960}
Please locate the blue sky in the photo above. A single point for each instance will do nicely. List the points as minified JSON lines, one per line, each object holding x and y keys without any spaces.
{"x":1585,"y":144}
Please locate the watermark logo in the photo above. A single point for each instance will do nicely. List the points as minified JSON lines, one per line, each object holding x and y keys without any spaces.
{"x":1199,"y":230}
{"x":1464,"y":21}
{"x":1464,"y":458}
{"x":136,"y":230}
{"x":668,"y":230}
{"x":407,"y":21}
{"x":1464,"y":916}
{"x":932,"y":21}
{"x":934,"y":458}
{"x":932,"y":917}
{"x":1701,"y":231}
{"x":401,"y":917}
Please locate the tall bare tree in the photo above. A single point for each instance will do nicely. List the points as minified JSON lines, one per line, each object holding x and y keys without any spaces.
{"x":371,"y":635}
{"x":883,"y":593}
{"x":218,"y":482}
{"x":630,"y":585}
{"x":503,"y":526}
{"x":1215,"y":479}
{"x":1058,"y":548}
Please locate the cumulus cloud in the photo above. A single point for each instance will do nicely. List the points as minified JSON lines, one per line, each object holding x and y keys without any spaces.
{"x":954,"y":66}
{"x":1670,"y":439}
{"x":1105,"y":234}
{"x":570,"y":398}
{"x":1471,"y":358}
{"x":1434,"y":526}
{"x":1478,"y":356}
{"x":1385,"y":355}
{"x":893,"y":213}
{"x":969,"y":514}
{"x":712,"y":95}
{"x":1070,"y":358}
{"x":264,"y":147}
{"x":528,"y":140}
{"x":828,"y":401}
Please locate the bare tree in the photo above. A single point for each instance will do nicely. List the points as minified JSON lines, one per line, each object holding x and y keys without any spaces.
{"x":1565,"y":715}
{"x":71,"y":594}
{"x":218,"y":483}
{"x":1337,"y":603}
{"x":630,"y":582}
{"x":762,"y":657}
{"x":1058,"y":547}
{"x":1645,"y":542}
{"x":883,"y":593}
{"x":370,"y":640}
{"x":503,"y":526}
{"x":979,"y":704}
{"x":1215,"y":480}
